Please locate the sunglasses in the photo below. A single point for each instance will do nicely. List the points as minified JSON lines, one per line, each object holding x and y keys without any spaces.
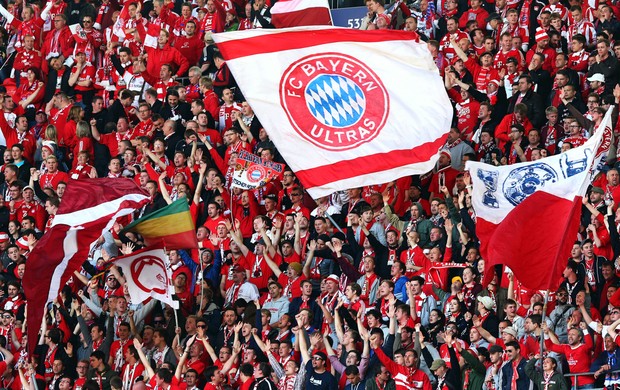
{"x":202,"y":326}
{"x":317,"y":358}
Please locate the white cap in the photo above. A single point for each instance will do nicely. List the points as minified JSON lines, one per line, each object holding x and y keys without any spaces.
{"x":597,"y":77}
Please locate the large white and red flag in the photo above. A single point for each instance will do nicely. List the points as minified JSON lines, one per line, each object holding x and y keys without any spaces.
{"x":294,"y":13}
{"x":345,"y":108}
{"x":148,"y":275}
{"x":527,"y":214}
{"x":88,"y":208}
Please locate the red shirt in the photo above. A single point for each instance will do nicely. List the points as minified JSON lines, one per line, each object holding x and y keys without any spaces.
{"x":87,"y":73}
{"x":51,"y":180}
{"x":578,"y":357}
{"x":292,"y":288}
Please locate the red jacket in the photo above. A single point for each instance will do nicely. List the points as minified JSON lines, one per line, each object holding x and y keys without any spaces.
{"x":166,"y":55}
{"x":190,"y":48}
{"x":63,"y":44}
{"x":502,"y":132}
{"x":479,"y":15}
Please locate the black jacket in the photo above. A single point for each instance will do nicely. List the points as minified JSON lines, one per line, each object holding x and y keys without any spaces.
{"x":535,"y":107}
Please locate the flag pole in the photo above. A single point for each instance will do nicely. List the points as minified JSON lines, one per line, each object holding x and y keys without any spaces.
{"x":334,"y":223}
{"x":176,"y":317}
{"x":544,"y":317}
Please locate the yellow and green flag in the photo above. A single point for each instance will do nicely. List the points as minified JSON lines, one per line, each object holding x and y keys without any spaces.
{"x":171,"y":225}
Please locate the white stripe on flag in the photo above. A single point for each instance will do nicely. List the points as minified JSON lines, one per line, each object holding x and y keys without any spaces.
{"x":284,"y":6}
{"x":90,"y":214}
{"x":70,"y":248}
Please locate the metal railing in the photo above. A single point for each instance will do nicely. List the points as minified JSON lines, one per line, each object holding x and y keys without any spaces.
{"x":578,"y":374}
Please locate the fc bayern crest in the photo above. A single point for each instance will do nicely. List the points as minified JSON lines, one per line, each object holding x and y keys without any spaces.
{"x":256,"y":173}
{"x":334,"y":100}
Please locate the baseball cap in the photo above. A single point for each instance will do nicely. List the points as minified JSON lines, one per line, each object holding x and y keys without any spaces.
{"x":333,"y":278}
{"x":321,"y":355}
{"x":437,"y":363}
{"x":487,"y":302}
{"x":511,"y":331}
{"x":597,"y":77}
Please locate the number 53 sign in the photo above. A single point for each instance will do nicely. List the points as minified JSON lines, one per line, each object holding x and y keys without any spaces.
{"x":349,"y":17}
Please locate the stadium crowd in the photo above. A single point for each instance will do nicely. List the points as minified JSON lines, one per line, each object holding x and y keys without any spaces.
{"x":374,"y":288}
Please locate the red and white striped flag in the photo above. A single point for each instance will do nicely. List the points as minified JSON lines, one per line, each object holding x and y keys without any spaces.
{"x":79,"y":222}
{"x":152,"y":33}
{"x":294,"y":13}
{"x":344,"y":107}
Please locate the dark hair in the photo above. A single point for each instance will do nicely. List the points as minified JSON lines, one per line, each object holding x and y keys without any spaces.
{"x":99,"y":355}
{"x":116,"y":382}
{"x":535,"y":318}
{"x":165,"y":375}
{"x":246,"y":369}
{"x":265,"y":368}
{"x":351,"y":370}
{"x":210,"y":372}
{"x":56,"y":337}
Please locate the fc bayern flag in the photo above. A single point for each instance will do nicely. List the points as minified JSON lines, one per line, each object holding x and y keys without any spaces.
{"x":252,"y":171}
{"x":293,"y":13}
{"x":345,"y":108}
{"x":148,"y":275}
{"x":527,"y":214}
{"x":79,"y":222}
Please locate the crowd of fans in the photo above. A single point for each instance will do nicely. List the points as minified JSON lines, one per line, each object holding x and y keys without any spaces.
{"x":372,"y":288}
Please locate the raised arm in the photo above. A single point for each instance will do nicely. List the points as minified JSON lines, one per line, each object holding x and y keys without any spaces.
{"x":274,"y":267}
{"x":147,"y":365}
{"x":303,"y":346}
